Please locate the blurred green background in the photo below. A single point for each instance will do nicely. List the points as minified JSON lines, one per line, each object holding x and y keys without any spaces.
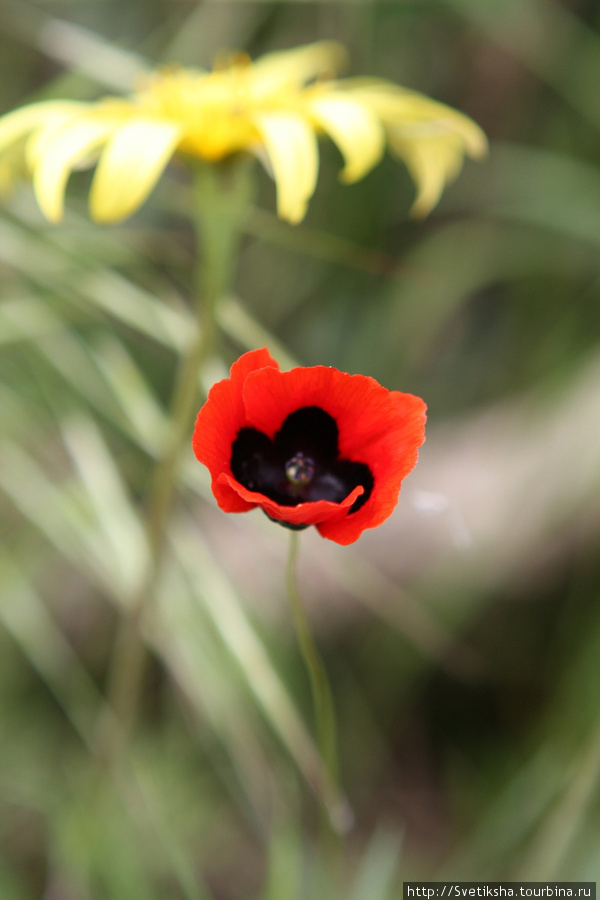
{"x":462,"y":638}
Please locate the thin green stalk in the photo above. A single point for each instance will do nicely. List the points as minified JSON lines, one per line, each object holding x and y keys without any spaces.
{"x":128,"y":663}
{"x":221,"y":199}
{"x":339,"y":814}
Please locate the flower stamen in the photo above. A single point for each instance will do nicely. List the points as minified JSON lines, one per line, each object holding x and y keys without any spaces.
{"x":299,"y":471}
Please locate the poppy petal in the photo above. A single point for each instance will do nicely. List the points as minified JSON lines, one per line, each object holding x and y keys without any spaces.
{"x":360,"y":406}
{"x":130,"y":166}
{"x":219,"y":421}
{"x":398,"y":456}
{"x":303,"y":514}
{"x":413,"y":415}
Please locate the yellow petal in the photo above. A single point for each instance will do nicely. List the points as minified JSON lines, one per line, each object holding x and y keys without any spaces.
{"x":292,"y":150}
{"x":356,"y":130}
{"x":433,"y":150}
{"x":432,"y":162}
{"x":298,"y":66}
{"x":47,"y":114}
{"x":398,"y":108}
{"x":429,"y":137}
{"x":130,"y":166}
{"x":57,"y":153}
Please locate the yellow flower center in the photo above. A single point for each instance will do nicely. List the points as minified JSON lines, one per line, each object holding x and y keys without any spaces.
{"x":214,"y":108}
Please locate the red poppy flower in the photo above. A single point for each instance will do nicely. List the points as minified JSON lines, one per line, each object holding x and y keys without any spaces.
{"x":312,"y":446}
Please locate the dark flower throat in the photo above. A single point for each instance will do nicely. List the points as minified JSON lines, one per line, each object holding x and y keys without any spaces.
{"x":301,"y":464}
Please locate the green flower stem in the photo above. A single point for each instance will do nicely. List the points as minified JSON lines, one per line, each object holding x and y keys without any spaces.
{"x":222,"y":201}
{"x":339,"y":814}
{"x":221,"y":196}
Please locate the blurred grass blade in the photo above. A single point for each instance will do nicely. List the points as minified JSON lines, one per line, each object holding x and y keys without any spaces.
{"x":238,"y":324}
{"x":379,"y":867}
{"x":209,"y":584}
{"x":136,"y":307}
{"x":26,"y":319}
{"x":59,"y":513}
{"x":17,"y":419}
{"x":464,"y":258}
{"x":42,"y":258}
{"x":52,"y":269}
{"x":550,"y":40}
{"x":113,"y":511}
{"x":91,"y":54}
{"x":43,"y":643}
{"x":285,"y":863}
{"x":169,"y":834}
{"x":82,"y":50}
{"x":98,"y":841}
{"x":184,"y":637}
{"x":131,"y":389}
{"x":104,"y":374}
{"x":323,"y":245}
{"x":70,"y":356}
{"x":547,"y":189}
{"x":499,"y":834}
{"x":558,"y":834}
{"x":399,"y":609}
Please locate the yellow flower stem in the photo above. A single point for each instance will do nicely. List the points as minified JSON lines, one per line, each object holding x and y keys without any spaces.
{"x":339,"y":814}
{"x":221,"y":197}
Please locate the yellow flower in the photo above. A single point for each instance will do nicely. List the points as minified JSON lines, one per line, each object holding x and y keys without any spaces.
{"x":274,"y":108}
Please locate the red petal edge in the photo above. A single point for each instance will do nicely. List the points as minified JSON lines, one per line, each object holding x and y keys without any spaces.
{"x":408,"y":434}
{"x":303,"y":514}
{"x":219,"y":421}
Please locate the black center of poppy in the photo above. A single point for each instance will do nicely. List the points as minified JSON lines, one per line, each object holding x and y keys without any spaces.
{"x":301,"y":464}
